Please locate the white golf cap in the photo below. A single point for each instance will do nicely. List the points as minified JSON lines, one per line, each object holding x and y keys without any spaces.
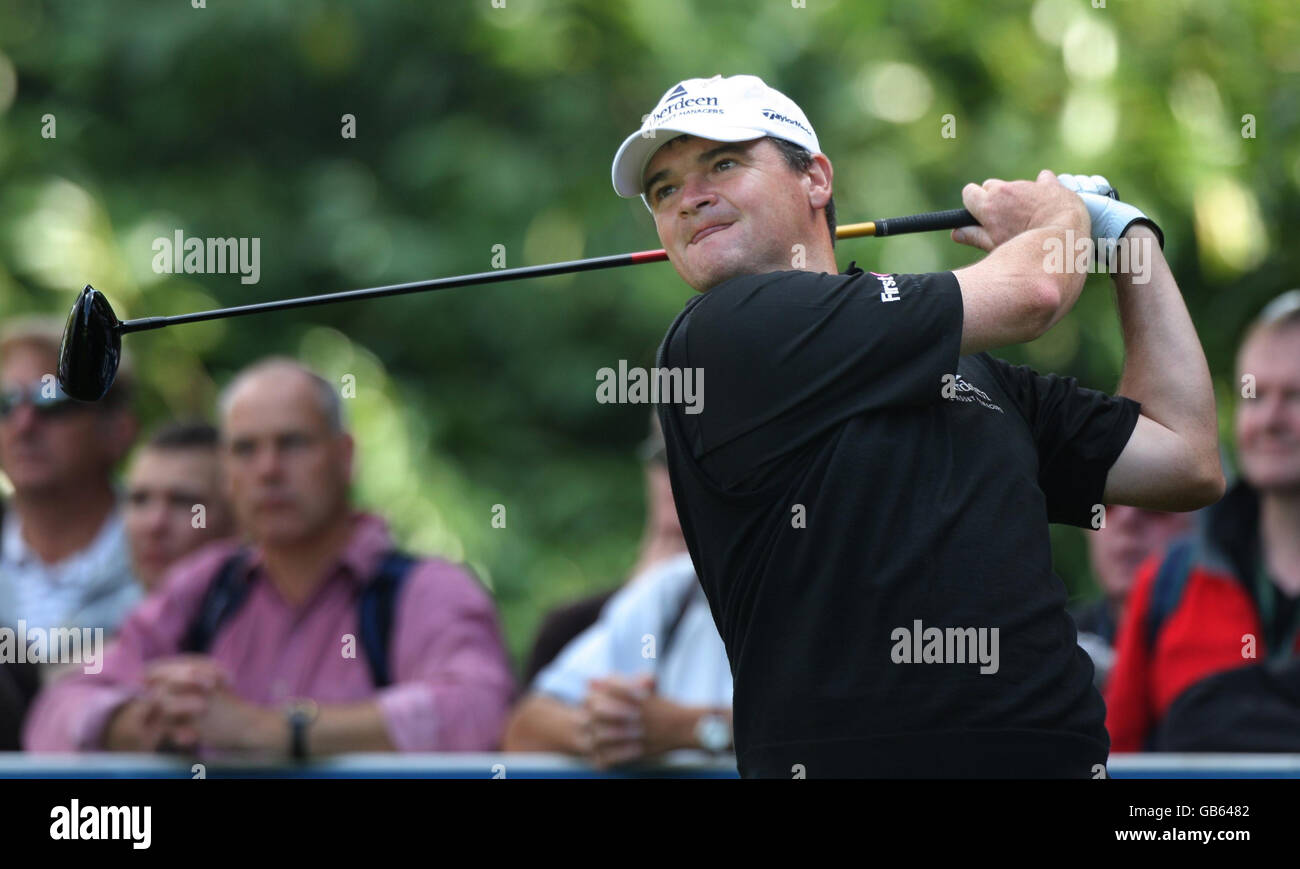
{"x":734,"y":109}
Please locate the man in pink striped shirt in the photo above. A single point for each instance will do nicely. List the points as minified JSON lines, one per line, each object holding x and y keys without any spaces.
{"x":288,"y":670}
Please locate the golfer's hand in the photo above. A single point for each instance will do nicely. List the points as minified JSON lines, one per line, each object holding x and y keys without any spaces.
{"x":1111,"y":218}
{"x":1005,"y":209}
{"x":1095,"y":185}
{"x":615,"y":730}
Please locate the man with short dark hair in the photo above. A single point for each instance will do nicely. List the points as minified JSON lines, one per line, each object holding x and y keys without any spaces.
{"x":865,"y":492}
{"x":174,"y":502}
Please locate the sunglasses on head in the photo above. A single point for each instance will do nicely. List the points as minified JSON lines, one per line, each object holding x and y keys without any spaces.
{"x":46,"y":401}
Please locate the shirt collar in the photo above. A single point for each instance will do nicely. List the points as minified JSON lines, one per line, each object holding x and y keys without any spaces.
{"x":106,"y":546}
{"x":12,"y":550}
{"x":359,"y":560}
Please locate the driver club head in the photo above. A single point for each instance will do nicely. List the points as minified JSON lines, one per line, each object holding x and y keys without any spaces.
{"x":92,"y":347}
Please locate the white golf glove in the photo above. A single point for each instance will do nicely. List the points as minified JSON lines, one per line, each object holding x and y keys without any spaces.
{"x":1110,"y":217}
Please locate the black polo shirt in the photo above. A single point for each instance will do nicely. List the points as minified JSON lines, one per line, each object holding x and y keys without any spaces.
{"x":850,"y":476}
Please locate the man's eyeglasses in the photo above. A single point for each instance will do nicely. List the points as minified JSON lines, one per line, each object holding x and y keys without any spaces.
{"x":46,"y":401}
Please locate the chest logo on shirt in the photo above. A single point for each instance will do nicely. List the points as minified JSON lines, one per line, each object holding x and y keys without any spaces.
{"x":956,"y":388}
{"x":888,"y":285}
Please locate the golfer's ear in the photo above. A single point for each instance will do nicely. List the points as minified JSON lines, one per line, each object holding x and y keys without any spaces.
{"x":821,"y":175}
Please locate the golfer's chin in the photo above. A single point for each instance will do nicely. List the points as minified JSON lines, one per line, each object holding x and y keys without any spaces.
{"x":706,"y":267}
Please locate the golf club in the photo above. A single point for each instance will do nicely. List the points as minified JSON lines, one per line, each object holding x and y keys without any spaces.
{"x":92,"y":338}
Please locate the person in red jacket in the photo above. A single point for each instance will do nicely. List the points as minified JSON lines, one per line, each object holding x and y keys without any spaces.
{"x":1228,"y":594}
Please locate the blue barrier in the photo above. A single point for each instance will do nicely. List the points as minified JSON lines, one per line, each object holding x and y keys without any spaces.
{"x":379,"y":765}
{"x":689,"y":765}
{"x":1236,"y":766}
{"x":529,"y":765}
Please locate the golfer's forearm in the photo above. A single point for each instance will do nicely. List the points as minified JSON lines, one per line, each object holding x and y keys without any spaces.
{"x":1011,"y":296}
{"x":1054,"y":248}
{"x":1030,"y":264}
{"x":1033,"y":262}
{"x":544,"y":724}
{"x":1164,"y":365}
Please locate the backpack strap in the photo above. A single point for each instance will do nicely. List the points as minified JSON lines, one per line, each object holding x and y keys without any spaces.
{"x":375,"y":605}
{"x":375,"y":609}
{"x":224,"y":595}
{"x":671,"y":631}
{"x":1167,"y":590}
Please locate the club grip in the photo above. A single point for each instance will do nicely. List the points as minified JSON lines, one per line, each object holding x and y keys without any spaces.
{"x":931,"y":220}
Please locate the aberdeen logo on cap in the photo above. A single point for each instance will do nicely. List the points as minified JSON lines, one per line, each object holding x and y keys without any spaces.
{"x":678,"y":101}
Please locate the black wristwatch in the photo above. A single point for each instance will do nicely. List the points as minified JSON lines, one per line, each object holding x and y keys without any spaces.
{"x":301,"y":714}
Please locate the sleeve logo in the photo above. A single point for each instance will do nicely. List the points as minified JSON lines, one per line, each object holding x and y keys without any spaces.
{"x":956,"y":388}
{"x":889,"y":287}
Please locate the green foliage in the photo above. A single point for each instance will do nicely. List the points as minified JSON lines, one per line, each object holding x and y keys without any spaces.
{"x":478,"y":126}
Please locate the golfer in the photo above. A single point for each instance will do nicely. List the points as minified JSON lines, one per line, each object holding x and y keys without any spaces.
{"x":866,"y":492}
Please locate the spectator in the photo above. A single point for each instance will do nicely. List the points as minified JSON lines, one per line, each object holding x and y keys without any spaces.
{"x":1227,"y":595}
{"x":651,"y":675}
{"x":174,"y":473}
{"x":1115,"y":552}
{"x":64,"y":560}
{"x":660,"y":539}
{"x":18,"y":684}
{"x":292,"y":668}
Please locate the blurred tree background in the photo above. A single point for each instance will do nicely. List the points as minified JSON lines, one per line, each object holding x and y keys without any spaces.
{"x":478,"y":126}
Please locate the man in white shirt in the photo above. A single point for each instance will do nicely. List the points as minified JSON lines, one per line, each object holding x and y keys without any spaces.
{"x":650,"y":676}
{"x":64,"y":560}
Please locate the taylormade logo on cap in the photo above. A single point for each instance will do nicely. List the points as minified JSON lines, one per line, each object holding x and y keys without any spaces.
{"x":734,"y":109}
{"x":774,"y":116}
